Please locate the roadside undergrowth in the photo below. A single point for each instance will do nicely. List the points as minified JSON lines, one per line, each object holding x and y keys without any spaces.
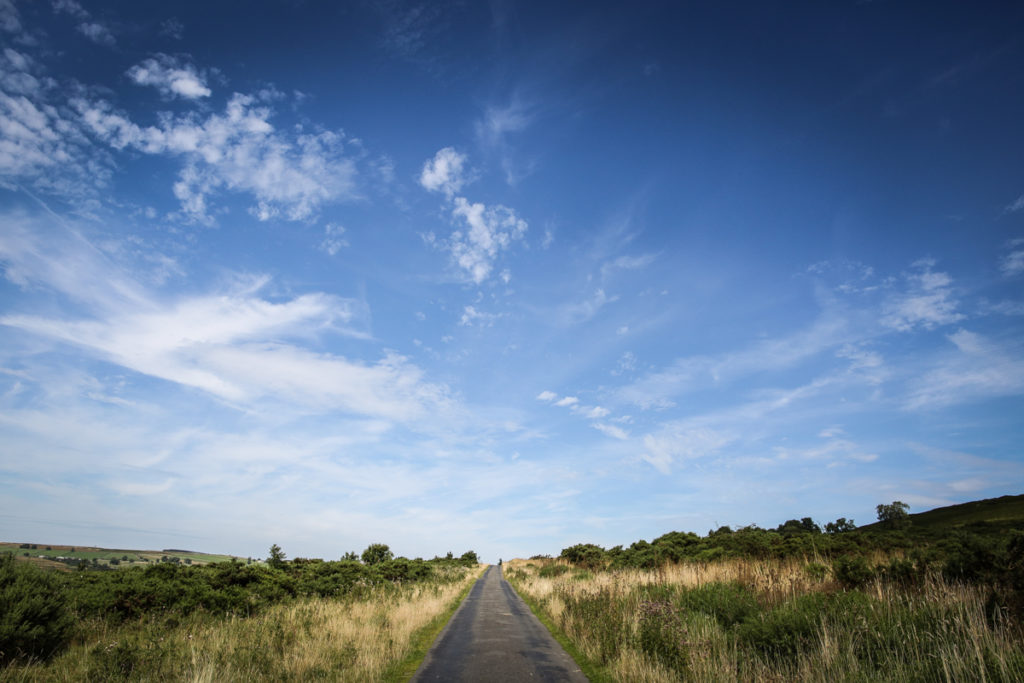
{"x":355,"y":638}
{"x":782,"y":620}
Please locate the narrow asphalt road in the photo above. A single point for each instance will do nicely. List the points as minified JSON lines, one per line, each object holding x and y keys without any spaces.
{"x":493,"y":637}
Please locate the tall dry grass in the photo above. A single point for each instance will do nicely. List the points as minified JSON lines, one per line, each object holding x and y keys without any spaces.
{"x":937,"y":631}
{"x":309,"y":639}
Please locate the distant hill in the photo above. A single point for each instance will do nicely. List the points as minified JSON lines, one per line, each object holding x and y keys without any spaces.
{"x":992,"y":515}
{"x":66,"y":557}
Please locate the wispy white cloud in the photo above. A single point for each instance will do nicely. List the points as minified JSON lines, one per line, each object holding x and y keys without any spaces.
{"x":611,"y":430}
{"x":10,"y":19}
{"x":493,"y":129}
{"x":97,"y":33}
{"x":170,"y":76}
{"x":1012,"y":263}
{"x":593,"y":412}
{"x":980,"y":369}
{"x":682,"y":440}
{"x":471,"y":316}
{"x":291,"y":175}
{"x":42,"y":145}
{"x":88,"y":27}
{"x":232,"y":344}
{"x":172,"y":28}
{"x":927,"y":302}
{"x":567,"y":401}
{"x":834,"y":451}
{"x":582,"y":311}
{"x":334,"y":240}
{"x":1015,"y":205}
{"x":489,"y":231}
{"x":547,"y":396}
{"x":627,"y":263}
{"x":499,"y":121}
{"x":658,"y":389}
{"x":70,"y":7}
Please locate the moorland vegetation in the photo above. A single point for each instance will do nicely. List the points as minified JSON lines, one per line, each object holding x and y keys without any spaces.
{"x":351,"y":619}
{"x":937,"y":596}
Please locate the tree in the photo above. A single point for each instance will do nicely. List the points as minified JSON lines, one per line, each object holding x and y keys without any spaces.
{"x":586,"y":555}
{"x":894,"y":514}
{"x":276,"y":559}
{"x":469,"y":558}
{"x":805,"y":525}
{"x":840,"y":526}
{"x":350,"y":556}
{"x":376,"y":553}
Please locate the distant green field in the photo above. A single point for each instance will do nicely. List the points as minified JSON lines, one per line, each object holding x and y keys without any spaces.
{"x":49,"y":555}
{"x":990,"y":515}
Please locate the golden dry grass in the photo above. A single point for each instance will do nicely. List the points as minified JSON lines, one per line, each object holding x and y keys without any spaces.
{"x":942,"y":628}
{"x":309,"y":639}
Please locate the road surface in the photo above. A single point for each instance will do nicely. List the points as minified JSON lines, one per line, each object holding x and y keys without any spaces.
{"x":493,"y":637}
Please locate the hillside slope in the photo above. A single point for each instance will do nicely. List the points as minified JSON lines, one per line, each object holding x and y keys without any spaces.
{"x":992,"y":515}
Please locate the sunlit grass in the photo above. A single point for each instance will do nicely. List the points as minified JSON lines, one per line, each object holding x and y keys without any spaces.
{"x":308,"y":639}
{"x":738,"y":620}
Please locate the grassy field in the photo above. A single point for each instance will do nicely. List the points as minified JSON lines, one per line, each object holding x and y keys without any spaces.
{"x":367,"y":635}
{"x":770,"y":620}
{"x":45,"y":555}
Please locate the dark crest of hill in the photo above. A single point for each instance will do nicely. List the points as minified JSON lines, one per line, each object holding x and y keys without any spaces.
{"x":986,"y":516}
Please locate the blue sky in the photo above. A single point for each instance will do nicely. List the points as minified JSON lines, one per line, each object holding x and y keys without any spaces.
{"x":503,"y":276}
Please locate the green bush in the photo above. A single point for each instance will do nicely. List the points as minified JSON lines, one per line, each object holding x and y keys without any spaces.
{"x":902,"y":572}
{"x":552,"y":570}
{"x":33,"y":621}
{"x":971,"y":558}
{"x":661,"y":634}
{"x":786,"y":630}
{"x":586,"y":555}
{"x":816,"y":571}
{"x":852,"y":572}
{"x":728,"y":603}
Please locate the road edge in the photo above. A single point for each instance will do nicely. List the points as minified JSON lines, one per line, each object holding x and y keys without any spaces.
{"x":423,"y":640}
{"x":595,"y":673}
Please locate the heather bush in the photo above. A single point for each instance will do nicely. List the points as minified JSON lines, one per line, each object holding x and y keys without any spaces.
{"x":34,"y":623}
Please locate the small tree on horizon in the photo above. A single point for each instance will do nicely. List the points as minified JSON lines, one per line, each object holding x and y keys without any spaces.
{"x":840,"y":526}
{"x":376,"y":553}
{"x":276,"y":559}
{"x":893,"y":515}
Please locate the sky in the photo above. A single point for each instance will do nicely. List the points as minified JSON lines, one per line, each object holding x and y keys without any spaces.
{"x":503,"y":276}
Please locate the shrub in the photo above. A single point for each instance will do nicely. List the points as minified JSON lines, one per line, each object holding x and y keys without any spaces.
{"x":902,"y":572}
{"x":33,"y":621}
{"x":728,"y":603}
{"x":786,"y":630}
{"x":586,"y":555}
{"x":816,"y":571}
{"x":970,"y":558}
{"x":852,"y":572}
{"x":552,"y":570}
{"x":661,"y":634}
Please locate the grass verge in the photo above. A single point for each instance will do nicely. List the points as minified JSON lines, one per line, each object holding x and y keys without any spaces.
{"x":422,"y":640}
{"x":594,"y":671}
